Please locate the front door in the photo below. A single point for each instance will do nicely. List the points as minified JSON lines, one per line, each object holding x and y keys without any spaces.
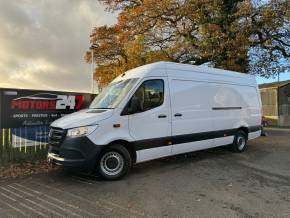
{"x":150,"y":126}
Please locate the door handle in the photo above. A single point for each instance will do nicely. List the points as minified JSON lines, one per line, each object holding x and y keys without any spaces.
{"x":178,"y":115}
{"x":162,"y":116}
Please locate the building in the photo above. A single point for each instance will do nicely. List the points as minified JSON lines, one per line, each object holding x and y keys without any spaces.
{"x":276,"y":102}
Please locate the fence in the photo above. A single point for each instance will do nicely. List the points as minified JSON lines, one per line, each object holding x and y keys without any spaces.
{"x":25,"y":116}
{"x":14,"y":148}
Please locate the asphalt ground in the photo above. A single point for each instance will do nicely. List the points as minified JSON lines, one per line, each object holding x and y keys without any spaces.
{"x":211,"y":183}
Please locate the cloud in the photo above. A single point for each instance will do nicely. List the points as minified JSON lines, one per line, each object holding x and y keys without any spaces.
{"x":42,"y":43}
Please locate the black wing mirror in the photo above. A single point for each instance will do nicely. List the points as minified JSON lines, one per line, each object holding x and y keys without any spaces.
{"x":135,"y":105}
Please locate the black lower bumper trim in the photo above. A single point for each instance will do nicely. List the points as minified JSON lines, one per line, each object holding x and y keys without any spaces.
{"x":57,"y":160}
{"x":78,"y":152}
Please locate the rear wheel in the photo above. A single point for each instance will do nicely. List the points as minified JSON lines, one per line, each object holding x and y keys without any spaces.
{"x":240,"y":142}
{"x":114,"y":162}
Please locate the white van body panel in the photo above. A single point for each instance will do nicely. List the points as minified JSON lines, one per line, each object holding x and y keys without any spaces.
{"x":153,"y":153}
{"x":194,"y":92}
{"x":203,"y":107}
{"x":193,"y":105}
{"x":106,"y":133}
{"x":82,"y":118}
{"x":253,"y":135}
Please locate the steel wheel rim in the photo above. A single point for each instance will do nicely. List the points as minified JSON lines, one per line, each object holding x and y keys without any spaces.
{"x":241,"y":141}
{"x":106,"y":161}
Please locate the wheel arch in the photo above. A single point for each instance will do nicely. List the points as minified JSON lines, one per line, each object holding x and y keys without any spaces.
{"x":128,"y":145}
{"x":244,"y":129}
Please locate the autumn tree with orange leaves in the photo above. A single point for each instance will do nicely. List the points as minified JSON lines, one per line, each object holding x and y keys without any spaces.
{"x":241,"y":35}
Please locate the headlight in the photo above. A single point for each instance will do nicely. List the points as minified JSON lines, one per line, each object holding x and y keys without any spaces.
{"x":81,"y":131}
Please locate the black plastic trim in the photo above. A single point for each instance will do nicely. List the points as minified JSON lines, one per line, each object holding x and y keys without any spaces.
{"x":255,"y":128}
{"x":226,"y":108}
{"x":179,"y":139}
{"x":77,"y":148}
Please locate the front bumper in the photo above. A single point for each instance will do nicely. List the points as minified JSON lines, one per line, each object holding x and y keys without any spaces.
{"x":78,"y":152}
{"x":61,"y":161}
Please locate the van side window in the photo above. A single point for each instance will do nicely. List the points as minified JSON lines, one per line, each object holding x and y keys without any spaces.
{"x":150,"y":94}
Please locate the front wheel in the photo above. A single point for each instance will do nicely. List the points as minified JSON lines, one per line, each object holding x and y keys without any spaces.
{"x":114,"y":162}
{"x":240,"y":142}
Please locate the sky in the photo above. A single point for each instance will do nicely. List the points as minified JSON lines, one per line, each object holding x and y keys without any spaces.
{"x":42,"y":43}
{"x":283,"y":76}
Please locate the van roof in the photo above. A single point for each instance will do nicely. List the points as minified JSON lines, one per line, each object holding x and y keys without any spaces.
{"x":184,"y":70}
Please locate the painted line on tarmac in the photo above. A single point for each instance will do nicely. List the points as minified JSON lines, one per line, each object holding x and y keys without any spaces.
{"x":39,"y":205}
{"x":4,"y":211}
{"x":98,"y":202}
{"x":13,"y":208}
{"x":101,"y":203}
{"x":6,"y":196}
{"x":73,"y":195}
{"x":57,"y":200}
{"x":24,"y":205}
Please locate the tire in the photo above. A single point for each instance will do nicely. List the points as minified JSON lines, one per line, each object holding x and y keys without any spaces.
{"x":240,"y":142}
{"x":114,"y":162}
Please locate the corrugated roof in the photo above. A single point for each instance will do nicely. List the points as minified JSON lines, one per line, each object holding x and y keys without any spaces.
{"x":274,"y":84}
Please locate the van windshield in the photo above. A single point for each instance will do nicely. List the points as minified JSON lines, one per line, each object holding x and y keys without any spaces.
{"x":113,"y":94}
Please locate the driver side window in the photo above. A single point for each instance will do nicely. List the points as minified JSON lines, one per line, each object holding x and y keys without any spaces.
{"x":148,"y":96}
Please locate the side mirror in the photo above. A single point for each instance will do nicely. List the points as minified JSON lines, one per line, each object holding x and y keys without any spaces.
{"x":135,"y":105}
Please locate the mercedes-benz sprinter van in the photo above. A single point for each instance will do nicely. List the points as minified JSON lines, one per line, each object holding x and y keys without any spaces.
{"x":154,"y":111}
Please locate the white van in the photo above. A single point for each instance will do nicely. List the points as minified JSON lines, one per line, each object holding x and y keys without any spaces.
{"x":158,"y":110}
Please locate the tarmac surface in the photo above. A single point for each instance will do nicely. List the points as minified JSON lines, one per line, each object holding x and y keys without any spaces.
{"x":211,"y":183}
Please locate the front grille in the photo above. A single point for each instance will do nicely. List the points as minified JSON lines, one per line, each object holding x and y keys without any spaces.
{"x":56,"y":136}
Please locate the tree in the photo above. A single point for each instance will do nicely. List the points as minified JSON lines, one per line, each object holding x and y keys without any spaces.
{"x":238,"y":35}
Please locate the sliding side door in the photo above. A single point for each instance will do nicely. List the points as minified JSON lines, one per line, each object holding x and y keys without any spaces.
{"x":191,"y":115}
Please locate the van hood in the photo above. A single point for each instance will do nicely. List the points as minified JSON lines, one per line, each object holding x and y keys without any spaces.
{"x":83,"y":118}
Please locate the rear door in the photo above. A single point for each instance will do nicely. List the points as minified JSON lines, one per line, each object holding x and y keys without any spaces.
{"x":191,"y":115}
{"x":151,"y":127}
